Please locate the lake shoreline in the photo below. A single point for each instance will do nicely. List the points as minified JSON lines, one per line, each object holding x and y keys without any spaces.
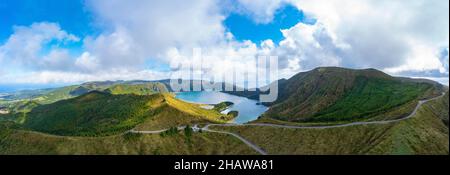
{"x":248,"y":109}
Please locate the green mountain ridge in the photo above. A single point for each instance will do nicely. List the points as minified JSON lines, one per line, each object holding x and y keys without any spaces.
{"x":138,"y":89}
{"x":426,"y":133}
{"x":91,"y":114}
{"x":100,"y":113}
{"x":331,"y":94}
{"x":95,"y":117}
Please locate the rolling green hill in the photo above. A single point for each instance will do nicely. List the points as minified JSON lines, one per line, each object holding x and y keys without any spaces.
{"x":424,"y":134}
{"x":100,"y":113}
{"x":91,"y":114}
{"x":332,"y":94}
{"x":14,"y":141}
{"x":223,"y":106}
{"x":138,"y":89}
{"x":48,"y":96}
{"x":175,"y":112}
{"x":96,"y":123}
{"x":93,"y":118}
{"x":113,"y":87}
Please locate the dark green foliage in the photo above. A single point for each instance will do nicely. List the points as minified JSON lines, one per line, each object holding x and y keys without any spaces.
{"x":137,"y":89}
{"x":170,"y":132}
{"x":6,"y":128}
{"x":337,"y":94}
{"x":188,"y":133}
{"x":233,"y":114}
{"x":22,"y":106}
{"x":93,"y":114}
{"x":222,"y":106}
{"x":370,"y":97}
{"x":80,"y":91}
{"x":12,"y":117}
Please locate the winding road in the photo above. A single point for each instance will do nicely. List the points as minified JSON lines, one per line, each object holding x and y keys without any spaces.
{"x":261,"y":151}
{"x":250,"y":144}
{"x":340,"y":125}
{"x":196,"y":128}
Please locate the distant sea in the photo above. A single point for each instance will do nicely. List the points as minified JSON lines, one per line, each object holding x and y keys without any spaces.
{"x":8,"y":88}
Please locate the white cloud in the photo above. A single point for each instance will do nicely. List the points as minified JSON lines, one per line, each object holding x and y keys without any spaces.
{"x":307,"y":46}
{"x":58,"y":77}
{"x":444,"y":60}
{"x":57,"y":59}
{"x":144,"y":29}
{"x":262,"y":11}
{"x":442,"y":80}
{"x":421,"y":58}
{"x":385,"y":34}
{"x":87,"y":62}
{"x":115,"y":50}
{"x":133,"y":34}
{"x":25,"y":46}
{"x":395,"y":36}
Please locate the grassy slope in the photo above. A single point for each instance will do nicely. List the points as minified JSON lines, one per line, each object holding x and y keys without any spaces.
{"x":167,"y":110}
{"x":98,"y":114}
{"x":423,"y":134}
{"x":371,"y":97}
{"x":170,"y":117}
{"x":23,"y":142}
{"x":195,"y":109}
{"x":56,"y":95}
{"x":337,"y":94}
{"x":49,"y":96}
{"x":139,"y":89}
{"x":441,"y":104}
{"x":92,"y":114}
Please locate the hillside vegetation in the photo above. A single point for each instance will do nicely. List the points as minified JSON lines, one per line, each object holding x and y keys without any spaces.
{"x":14,"y":141}
{"x":92,"y":114}
{"x":222,"y":106}
{"x":100,"y":113}
{"x":332,"y":94}
{"x":175,"y":112}
{"x":425,"y":133}
{"x":371,"y":97}
{"x":139,"y":89}
{"x":48,"y":96}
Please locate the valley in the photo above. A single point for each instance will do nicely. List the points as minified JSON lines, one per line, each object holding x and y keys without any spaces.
{"x":324,"y":111}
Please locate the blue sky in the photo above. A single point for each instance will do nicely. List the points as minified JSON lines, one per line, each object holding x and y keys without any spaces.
{"x":245,"y":28}
{"x":68,"y":42}
{"x":71,"y":15}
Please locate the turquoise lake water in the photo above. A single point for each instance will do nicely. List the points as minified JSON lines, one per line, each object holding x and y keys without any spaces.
{"x":248,"y":109}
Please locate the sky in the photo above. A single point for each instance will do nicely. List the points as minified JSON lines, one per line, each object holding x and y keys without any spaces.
{"x":50,"y":42}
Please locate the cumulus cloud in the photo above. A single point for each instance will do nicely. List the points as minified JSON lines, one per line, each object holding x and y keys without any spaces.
{"x":25,"y":46}
{"x":87,"y":62}
{"x":144,"y":29}
{"x":57,"y":59}
{"x":402,"y":38}
{"x":308,"y":46}
{"x":67,"y":77}
{"x":114,"y":50}
{"x":444,"y":60}
{"x":262,"y":11}
{"x":395,"y":36}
